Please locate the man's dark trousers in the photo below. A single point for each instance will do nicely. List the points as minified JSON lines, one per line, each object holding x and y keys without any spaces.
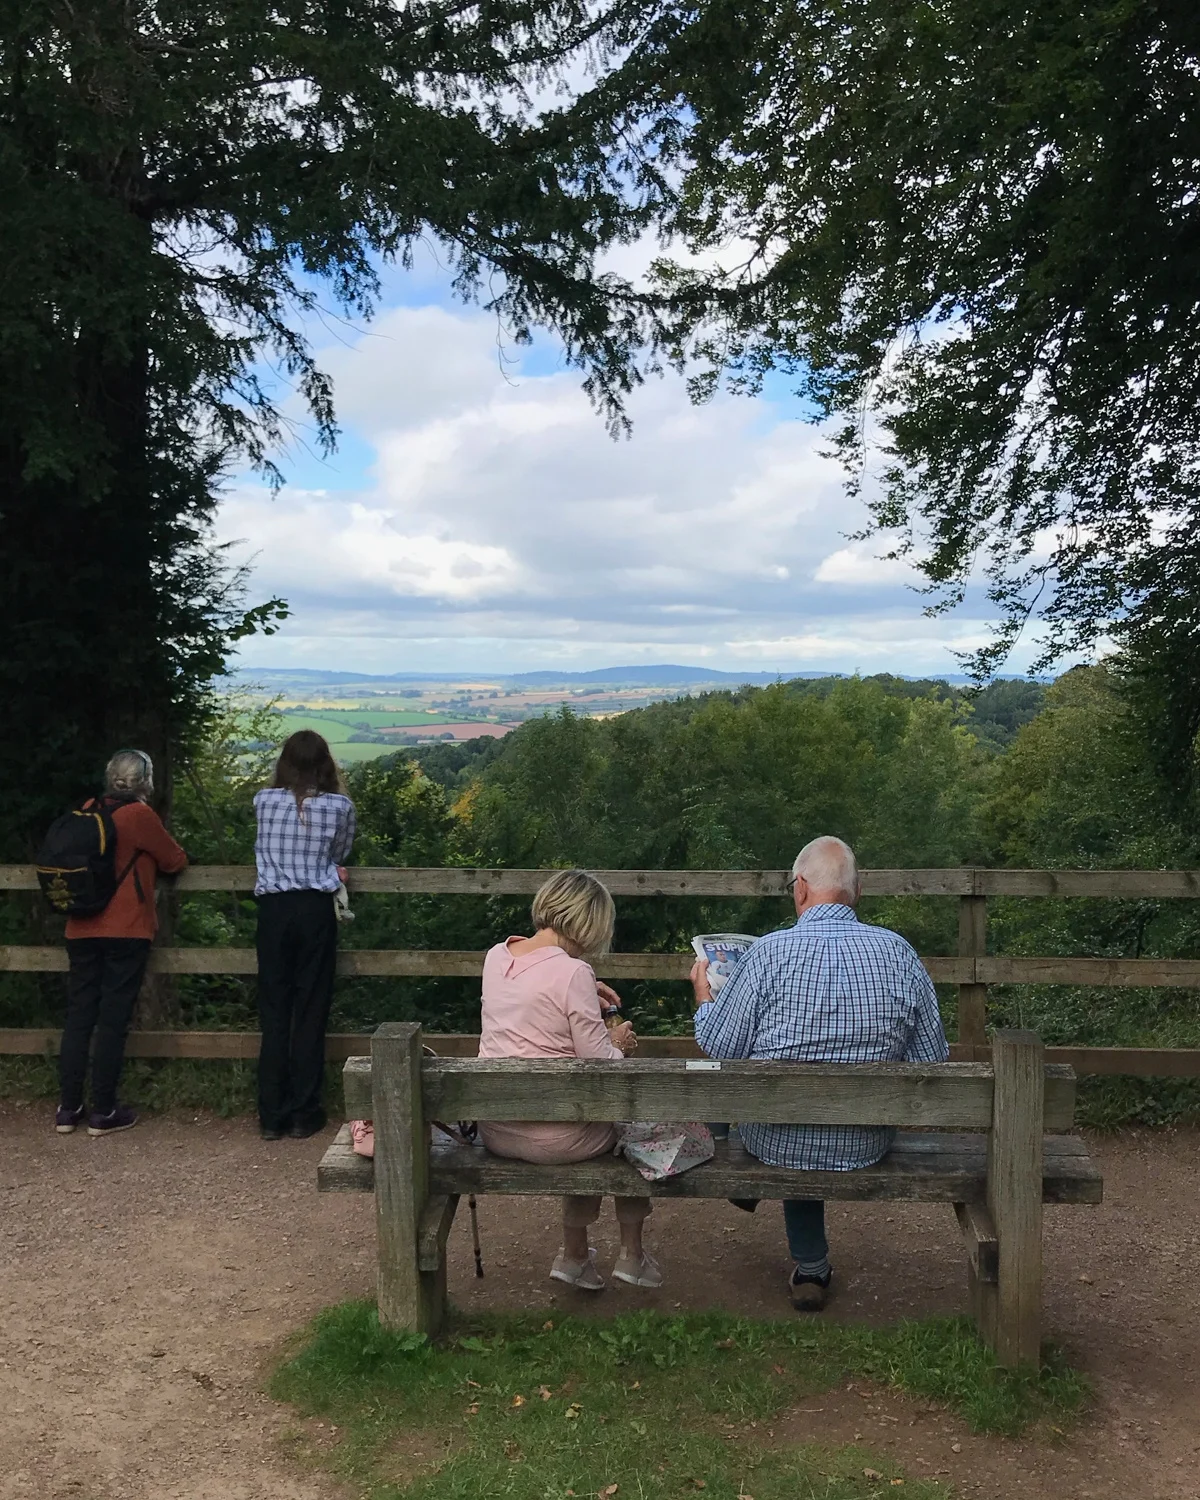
{"x":297,"y":952}
{"x":102,"y":989}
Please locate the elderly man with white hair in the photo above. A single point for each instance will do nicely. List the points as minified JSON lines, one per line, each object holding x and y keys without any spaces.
{"x":827,"y":989}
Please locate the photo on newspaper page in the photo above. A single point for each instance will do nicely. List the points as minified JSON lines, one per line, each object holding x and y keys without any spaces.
{"x":722,"y":950}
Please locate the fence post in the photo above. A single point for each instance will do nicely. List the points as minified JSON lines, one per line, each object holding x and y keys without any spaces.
{"x":1014,"y":1193}
{"x":408,"y":1298}
{"x":972,"y":998}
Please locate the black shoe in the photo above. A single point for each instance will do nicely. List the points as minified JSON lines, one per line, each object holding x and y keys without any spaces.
{"x":120,"y":1117}
{"x":301,"y":1132}
{"x":808,"y":1292}
{"x":748,"y":1205}
{"x":271,"y":1133}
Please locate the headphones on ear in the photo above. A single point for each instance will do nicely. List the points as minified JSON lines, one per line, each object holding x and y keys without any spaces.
{"x":147,"y":763}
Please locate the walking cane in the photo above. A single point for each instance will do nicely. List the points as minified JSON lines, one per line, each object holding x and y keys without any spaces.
{"x":475,"y":1234}
{"x":464,"y":1133}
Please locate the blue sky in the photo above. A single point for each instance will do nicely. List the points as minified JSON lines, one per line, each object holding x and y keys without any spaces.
{"x":477,"y":517}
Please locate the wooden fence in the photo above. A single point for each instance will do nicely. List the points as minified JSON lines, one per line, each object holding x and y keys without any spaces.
{"x":972,"y":969}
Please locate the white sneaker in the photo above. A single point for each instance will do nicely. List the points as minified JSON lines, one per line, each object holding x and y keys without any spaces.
{"x":644,"y":1272}
{"x":581,"y":1274}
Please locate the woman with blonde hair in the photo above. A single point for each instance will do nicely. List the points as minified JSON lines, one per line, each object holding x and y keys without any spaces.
{"x":541,"y":998}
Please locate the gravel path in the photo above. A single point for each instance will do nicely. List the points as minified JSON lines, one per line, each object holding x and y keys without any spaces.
{"x":147,"y":1282}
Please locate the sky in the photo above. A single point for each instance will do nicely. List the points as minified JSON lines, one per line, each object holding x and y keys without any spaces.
{"x":478,"y":517}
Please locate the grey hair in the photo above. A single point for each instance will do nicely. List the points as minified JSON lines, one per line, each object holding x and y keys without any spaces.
{"x":130,"y":773}
{"x":828,"y":865}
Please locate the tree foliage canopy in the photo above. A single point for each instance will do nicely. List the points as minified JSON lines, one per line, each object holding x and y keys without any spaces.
{"x":182,"y":182}
{"x":972,"y":232}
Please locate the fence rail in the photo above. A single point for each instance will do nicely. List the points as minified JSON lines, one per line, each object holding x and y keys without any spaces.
{"x":426,"y":963}
{"x":32,"y":1041}
{"x":969,"y":880}
{"x":972,"y":969}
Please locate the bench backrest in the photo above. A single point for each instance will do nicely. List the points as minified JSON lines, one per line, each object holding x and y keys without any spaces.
{"x":958,"y":1096}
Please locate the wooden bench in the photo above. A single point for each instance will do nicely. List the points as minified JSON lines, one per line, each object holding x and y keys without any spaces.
{"x":985,"y":1137}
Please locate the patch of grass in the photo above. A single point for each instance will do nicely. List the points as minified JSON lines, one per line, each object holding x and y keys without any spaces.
{"x":658,"y":1406}
{"x":227,"y":1087}
{"x":28,"y":1078}
{"x":1117,"y":1103}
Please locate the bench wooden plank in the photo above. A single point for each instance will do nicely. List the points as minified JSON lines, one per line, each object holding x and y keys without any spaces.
{"x":434,"y":1230}
{"x":957,"y":1173}
{"x":979,"y":1236}
{"x":943,"y":1095}
{"x":932,"y":1163}
{"x":342,"y":1170}
{"x":667,"y":1089}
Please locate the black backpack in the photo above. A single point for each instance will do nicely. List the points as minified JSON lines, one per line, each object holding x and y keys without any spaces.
{"x":77,"y":863}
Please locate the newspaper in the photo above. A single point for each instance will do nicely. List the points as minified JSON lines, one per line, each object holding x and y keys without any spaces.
{"x":722,"y":950}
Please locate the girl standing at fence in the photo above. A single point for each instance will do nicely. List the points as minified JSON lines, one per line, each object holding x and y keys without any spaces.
{"x":305,"y":832}
{"x":541,"y":999}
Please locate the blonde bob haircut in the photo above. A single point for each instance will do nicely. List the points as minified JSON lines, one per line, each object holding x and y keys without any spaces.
{"x":580,"y":911}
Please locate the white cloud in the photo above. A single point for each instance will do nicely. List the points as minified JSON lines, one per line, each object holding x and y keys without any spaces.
{"x":498,"y":525}
{"x":859,"y":565}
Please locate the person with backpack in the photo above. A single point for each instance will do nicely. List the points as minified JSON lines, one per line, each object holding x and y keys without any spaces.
{"x":305,"y":833}
{"x":99,"y":865}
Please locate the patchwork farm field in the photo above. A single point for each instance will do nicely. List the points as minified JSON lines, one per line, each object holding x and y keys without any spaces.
{"x":339,"y":726}
{"x":361,"y":733}
{"x":362,"y":722}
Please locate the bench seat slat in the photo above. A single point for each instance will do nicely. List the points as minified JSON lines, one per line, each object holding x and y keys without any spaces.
{"x":956,"y":1172}
{"x":937,"y":1168}
{"x":342,"y":1170}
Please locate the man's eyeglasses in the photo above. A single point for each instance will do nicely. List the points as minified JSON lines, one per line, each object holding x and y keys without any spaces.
{"x":790,"y":885}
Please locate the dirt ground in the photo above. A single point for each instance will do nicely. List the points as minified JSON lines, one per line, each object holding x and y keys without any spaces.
{"x":147,"y":1281}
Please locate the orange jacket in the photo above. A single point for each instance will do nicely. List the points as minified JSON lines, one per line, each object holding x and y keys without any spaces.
{"x":132,"y":913}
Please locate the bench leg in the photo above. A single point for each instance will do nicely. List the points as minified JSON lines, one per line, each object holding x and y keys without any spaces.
{"x":983,"y":1297}
{"x":436,"y":1219}
{"x":409,"y":1298}
{"x":979,"y":1237}
{"x":1014,"y":1193}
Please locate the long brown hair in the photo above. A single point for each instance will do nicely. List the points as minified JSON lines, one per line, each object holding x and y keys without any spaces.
{"x":306,"y":767}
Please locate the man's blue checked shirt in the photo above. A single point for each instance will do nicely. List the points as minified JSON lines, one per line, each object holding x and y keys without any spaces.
{"x":829,"y":989}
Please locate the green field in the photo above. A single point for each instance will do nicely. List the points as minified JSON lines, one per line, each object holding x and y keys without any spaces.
{"x":379,"y":718}
{"x":334,"y":730}
{"x":352,"y":754}
{"x":340,"y":725}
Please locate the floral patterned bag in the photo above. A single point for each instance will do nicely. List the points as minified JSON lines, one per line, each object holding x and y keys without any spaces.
{"x":663,"y":1149}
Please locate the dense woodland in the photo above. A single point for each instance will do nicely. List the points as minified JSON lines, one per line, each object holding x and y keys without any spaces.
{"x":911,"y":773}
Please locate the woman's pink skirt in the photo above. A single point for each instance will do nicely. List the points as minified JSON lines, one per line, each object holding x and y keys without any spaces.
{"x":547,"y":1143}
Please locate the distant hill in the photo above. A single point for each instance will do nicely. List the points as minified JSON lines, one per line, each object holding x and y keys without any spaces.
{"x":663,"y":676}
{"x":652,"y":676}
{"x":321,"y":677}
